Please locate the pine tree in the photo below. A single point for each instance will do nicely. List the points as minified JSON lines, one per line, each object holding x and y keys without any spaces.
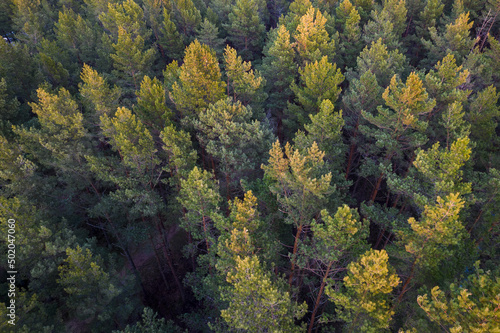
{"x":428,"y":17}
{"x":237,"y":144}
{"x":181,"y":156}
{"x":312,"y":40}
{"x":246,"y":29}
{"x":208,"y":34}
{"x":255,"y":302}
{"x":55,"y":63}
{"x":325,"y":129}
{"x":319,"y":81}
{"x":199,"y":81}
{"x":199,"y":195}
{"x":300,"y":184}
{"x":399,"y":128}
{"x":382,"y":62}
{"x":9,"y":110}
{"x":445,"y":82}
{"x":387,"y":24}
{"x":130,"y":59}
{"x":98,"y":97}
{"x":127,"y":15}
{"x":483,"y":114}
{"x":470,"y":306}
{"x":455,"y":39}
{"x":61,"y":140}
{"x":170,"y":39}
{"x":77,"y":35}
{"x":150,"y":323}
{"x":348,"y":20}
{"x":434,"y":237}
{"x":151,"y":106}
{"x":279,"y":71}
{"x":297,"y":9}
{"x":90,"y":289}
{"x":188,"y":17}
{"x":369,"y":281}
{"x":440,"y":170}
{"x":243,"y":83}
{"x":338,"y":237}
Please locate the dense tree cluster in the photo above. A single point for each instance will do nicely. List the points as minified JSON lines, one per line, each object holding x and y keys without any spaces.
{"x":251,"y":165}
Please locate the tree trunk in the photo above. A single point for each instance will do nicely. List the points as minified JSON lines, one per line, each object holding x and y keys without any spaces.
{"x":295,"y":246}
{"x":318,"y":298}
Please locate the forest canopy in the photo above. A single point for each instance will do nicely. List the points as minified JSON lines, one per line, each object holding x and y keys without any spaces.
{"x":250,"y":166}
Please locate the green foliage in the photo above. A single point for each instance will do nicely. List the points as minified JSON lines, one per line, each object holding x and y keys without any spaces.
{"x":256,"y":304}
{"x":469,"y":307}
{"x":199,"y":195}
{"x":188,"y":16}
{"x":131,"y":139}
{"x":151,"y":105}
{"x":454,"y":39}
{"x":312,"y":41}
{"x":98,"y":97}
{"x":326,"y":130}
{"x":89,"y":288}
{"x":77,"y":35}
{"x":279,"y":69}
{"x":170,"y":39}
{"x":8,"y":109}
{"x":129,"y":16}
{"x":130,"y":59}
{"x":208,"y":34}
{"x":369,"y":281}
{"x":244,"y":84}
{"x":227,"y":133}
{"x":298,"y":181}
{"x":319,"y":81}
{"x":150,"y":323}
{"x":199,"y":81}
{"x":180,"y":153}
{"x":245,"y":28}
{"x":441,"y":170}
{"x":434,"y":236}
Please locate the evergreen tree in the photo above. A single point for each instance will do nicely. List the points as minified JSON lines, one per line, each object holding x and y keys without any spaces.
{"x":319,"y":81}
{"x":89,"y":288}
{"x":338,"y":237}
{"x":170,"y":39}
{"x":348,"y":19}
{"x":455,"y":39}
{"x":77,"y":35}
{"x":255,"y":302}
{"x":399,"y":128}
{"x":188,"y":17}
{"x":130,"y":59}
{"x":150,"y":323}
{"x":243,"y":83}
{"x":199,"y":81}
{"x":127,"y":15}
{"x":151,"y":106}
{"x":300,"y":184}
{"x":9,"y":109}
{"x":246,"y":29}
{"x":98,"y":97}
{"x":236,"y":143}
{"x":279,"y":71}
{"x":199,"y":195}
{"x":470,"y":307}
{"x":208,"y":34}
{"x":312,"y":40}
{"x":369,"y":281}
